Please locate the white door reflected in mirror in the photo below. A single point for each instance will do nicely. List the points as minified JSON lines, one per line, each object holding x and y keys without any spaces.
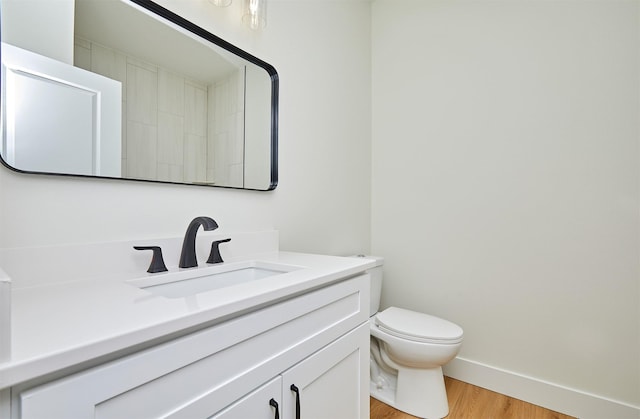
{"x":84,"y":140}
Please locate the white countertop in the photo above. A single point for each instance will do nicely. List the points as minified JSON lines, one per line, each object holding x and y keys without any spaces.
{"x":58,"y":325}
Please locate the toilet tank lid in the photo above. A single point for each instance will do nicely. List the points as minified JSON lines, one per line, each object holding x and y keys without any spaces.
{"x":378,"y":259}
{"x":413,"y":324}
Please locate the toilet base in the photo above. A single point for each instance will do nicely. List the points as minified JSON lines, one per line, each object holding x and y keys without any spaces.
{"x":419,"y":392}
{"x":384,"y":387}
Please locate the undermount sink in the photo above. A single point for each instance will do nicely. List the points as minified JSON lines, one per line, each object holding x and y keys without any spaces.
{"x":194,"y":281}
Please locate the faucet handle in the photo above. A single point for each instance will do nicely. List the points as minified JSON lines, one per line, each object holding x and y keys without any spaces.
{"x":157,"y":263}
{"x":214,"y":256}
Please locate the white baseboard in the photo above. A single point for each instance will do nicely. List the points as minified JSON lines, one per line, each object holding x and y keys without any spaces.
{"x":551,"y":396}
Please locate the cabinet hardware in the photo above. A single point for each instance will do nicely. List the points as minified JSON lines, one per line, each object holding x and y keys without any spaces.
{"x":274,"y":403}
{"x":297,"y":391}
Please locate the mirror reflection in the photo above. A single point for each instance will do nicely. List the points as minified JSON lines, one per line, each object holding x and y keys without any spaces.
{"x":152,"y":97}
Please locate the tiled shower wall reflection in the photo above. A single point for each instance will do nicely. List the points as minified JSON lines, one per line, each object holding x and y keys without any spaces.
{"x":174,"y":128}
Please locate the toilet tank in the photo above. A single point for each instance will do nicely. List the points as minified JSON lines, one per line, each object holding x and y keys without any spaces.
{"x":376,"y":282}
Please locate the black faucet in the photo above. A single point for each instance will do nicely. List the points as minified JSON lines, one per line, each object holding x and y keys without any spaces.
{"x":188,"y":256}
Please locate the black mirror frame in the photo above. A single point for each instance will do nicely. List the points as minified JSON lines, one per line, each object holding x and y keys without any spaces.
{"x":202,"y":33}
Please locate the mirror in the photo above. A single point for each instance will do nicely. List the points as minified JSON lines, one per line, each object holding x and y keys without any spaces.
{"x":128,"y":89}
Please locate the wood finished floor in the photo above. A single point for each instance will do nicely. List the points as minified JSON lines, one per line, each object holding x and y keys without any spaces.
{"x":467,"y":401}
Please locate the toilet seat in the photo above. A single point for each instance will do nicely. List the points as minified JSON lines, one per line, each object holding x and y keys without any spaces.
{"x":418,"y":327}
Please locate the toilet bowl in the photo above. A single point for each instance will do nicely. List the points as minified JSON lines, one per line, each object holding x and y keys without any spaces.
{"x":408,"y":350}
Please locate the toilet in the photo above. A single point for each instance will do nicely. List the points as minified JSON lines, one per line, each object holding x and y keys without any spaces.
{"x":408,"y":350}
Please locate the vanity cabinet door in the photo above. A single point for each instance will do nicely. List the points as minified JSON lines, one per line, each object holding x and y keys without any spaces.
{"x":333,"y":382}
{"x":263,"y":403}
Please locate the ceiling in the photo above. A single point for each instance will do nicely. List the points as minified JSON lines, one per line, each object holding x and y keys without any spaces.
{"x":134,"y":31}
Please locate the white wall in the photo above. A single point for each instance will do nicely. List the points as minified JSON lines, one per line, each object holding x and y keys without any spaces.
{"x":505,"y":181}
{"x":322,"y":201}
{"x":41,"y":26}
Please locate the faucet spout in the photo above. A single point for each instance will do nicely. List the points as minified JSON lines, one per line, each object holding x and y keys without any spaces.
{"x":188,"y":256}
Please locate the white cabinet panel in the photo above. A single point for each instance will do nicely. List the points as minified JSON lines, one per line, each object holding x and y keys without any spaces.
{"x":333,"y":382}
{"x":263,"y":403}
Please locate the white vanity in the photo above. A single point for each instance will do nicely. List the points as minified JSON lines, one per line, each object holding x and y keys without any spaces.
{"x":293,"y":344}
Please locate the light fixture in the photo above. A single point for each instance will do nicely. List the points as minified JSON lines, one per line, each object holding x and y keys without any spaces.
{"x":221,"y":3}
{"x":254,"y":13}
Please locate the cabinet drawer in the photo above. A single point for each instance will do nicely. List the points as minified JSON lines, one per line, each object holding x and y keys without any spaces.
{"x":255,"y":405}
{"x":217,"y":365}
